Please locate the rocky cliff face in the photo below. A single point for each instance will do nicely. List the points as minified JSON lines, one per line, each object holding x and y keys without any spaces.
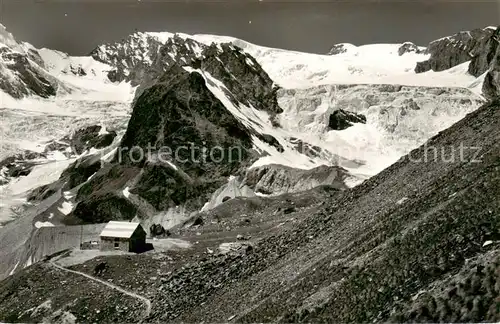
{"x":20,"y":76}
{"x":479,"y":46}
{"x":130,"y":58}
{"x":409,"y":47}
{"x":21,"y":69}
{"x":489,"y":61}
{"x":340,"y":49}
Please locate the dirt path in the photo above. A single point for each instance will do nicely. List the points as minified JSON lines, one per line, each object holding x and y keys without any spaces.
{"x":145,"y":300}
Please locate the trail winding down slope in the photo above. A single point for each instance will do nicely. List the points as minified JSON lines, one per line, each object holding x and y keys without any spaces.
{"x":143,"y":299}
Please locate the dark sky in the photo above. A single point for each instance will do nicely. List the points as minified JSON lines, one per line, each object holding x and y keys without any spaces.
{"x":77,"y":26}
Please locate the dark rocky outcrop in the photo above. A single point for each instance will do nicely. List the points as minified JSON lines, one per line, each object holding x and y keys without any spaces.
{"x":81,"y":170}
{"x":342,"y":119}
{"x":271,"y":140}
{"x":106,"y":184}
{"x":337,"y":49}
{"x":491,"y":85}
{"x":102,"y":209}
{"x":181,"y":114}
{"x":410,"y":104}
{"x":175,"y":51}
{"x":90,"y":137}
{"x":489,"y":60}
{"x":130,"y":58}
{"x":253,"y":87}
{"x":77,"y":70}
{"x":157,"y":230}
{"x":451,"y":51}
{"x":57,"y":145}
{"x":484,"y":57}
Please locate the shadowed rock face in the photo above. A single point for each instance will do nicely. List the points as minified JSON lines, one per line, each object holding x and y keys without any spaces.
{"x":254,"y":86}
{"x":177,"y":114}
{"x":337,"y":49}
{"x":90,"y":137}
{"x":102,"y":209}
{"x":17,"y":165}
{"x":454,"y":50}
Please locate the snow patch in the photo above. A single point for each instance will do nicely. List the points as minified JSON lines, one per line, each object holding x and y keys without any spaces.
{"x":126,"y":193}
{"x":14,"y":269}
{"x":402,"y":200}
